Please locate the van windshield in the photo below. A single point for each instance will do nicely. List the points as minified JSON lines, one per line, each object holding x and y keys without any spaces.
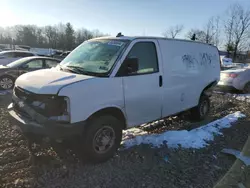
{"x":95,"y":57}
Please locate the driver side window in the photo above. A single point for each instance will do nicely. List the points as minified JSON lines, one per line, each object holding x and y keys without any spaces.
{"x":146,"y":54}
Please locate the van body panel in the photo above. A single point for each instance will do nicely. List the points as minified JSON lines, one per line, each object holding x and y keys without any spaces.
{"x":92,"y":95}
{"x":143,"y":95}
{"x":188,"y":68}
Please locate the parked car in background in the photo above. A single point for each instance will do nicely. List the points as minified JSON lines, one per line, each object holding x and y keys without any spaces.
{"x":235,"y":78}
{"x":227,"y":63}
{"x":7,"y":57}
{"x":109,"y":84}
{"x":62,"y":55}
{"x":11,"y":71}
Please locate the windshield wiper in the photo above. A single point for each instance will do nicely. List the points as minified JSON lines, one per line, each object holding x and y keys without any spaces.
{"x":75,"y":69}
{"x":80,"y":70}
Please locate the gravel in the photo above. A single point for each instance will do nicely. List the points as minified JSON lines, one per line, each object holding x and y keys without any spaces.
{"x":140,"y":166}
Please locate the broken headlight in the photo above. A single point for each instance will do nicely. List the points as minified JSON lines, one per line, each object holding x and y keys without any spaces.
{"x":53,"y":107}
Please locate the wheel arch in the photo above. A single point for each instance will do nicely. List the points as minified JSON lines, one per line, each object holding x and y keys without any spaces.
{"x":7,"y":75}
{"x":114,"y":111}
{"x":208,"y":89}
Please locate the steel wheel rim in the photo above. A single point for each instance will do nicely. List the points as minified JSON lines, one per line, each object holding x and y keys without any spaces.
{"x":6,"y":83}
{"x":204,"y":108}
{"x":104,"y":139}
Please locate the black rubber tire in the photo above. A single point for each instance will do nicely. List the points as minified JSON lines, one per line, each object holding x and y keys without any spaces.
{"x":246,"y":88}
{"x":195,"y":113}
{"x":9,"y":77}
{"x":93,"y":126}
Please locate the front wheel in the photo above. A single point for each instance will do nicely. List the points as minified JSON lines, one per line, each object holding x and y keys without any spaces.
{"x":6,"y":82}
{"x":102,"y":138}
{"x":202,"y":109}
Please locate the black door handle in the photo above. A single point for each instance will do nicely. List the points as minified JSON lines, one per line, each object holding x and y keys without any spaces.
{"x":160,"y":81}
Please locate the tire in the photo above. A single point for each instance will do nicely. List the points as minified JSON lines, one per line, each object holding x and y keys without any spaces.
{"x":6,"y":82}
{"x":93,"y":137}
{"x":246,"y":88}
{"x":202,"y":109}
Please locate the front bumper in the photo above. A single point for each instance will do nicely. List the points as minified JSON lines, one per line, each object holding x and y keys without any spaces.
{"x":29,"y":121}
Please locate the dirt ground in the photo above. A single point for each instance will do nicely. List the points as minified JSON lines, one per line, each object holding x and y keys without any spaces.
{"x":140,"y":166}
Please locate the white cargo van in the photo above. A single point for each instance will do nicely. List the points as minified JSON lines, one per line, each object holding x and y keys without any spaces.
{"x":109,"y":84}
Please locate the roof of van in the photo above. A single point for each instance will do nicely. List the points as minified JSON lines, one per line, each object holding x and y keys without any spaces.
{"x":148,"y":37}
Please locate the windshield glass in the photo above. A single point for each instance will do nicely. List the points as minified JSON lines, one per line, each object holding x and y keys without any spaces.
{"x":95,"y":57}
{"x":17,"y":63}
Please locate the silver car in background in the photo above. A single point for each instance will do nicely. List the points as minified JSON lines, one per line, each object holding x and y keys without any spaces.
{"x":236,"y":78}
{"x":7,"y":57}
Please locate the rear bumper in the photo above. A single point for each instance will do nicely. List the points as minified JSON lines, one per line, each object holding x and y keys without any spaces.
{"x":223,"y":83}
{"x":33,"y":123}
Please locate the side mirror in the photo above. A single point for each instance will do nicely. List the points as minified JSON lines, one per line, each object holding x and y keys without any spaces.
{"x":128,"y":67}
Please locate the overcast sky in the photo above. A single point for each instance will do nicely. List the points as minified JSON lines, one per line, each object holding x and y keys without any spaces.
{"x":131,"y":17}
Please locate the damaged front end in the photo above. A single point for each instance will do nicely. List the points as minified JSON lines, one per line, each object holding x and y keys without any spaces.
{"x":52,"y":107}
{"x":43,"y":114}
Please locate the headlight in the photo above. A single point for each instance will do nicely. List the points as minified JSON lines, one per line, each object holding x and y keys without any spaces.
{"x":54,"y":107}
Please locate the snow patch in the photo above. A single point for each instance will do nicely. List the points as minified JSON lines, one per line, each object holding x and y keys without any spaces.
{"x":240,"y":97}
{"x":196,"y":138}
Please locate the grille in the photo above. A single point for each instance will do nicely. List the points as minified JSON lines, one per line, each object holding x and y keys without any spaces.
{"x":20,"y":111}
{"x":25,"y":95}
{"x":20,"y":93}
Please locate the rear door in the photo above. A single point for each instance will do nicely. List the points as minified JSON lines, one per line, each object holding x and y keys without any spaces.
{"x":143,"y":89}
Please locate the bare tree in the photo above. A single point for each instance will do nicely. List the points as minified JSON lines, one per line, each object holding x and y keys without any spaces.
{"x":200,"y":35}
{"x":212,"y":31}
{"x":209,"y":34}
{"x":237,"y":25}
{"x":173,"y":31}
{"x":51,"y":34}
{"x":217,"y":35}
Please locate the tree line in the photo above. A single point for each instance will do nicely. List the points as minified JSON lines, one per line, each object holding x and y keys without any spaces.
{"x":232,"y":31}
{"x":60,"y":36}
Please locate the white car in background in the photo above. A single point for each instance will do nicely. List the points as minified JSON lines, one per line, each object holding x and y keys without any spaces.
{"x":7,"y":57}
{"x":227,"y":63}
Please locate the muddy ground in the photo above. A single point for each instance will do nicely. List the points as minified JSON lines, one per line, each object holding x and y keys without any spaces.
{"x":140,"y":166}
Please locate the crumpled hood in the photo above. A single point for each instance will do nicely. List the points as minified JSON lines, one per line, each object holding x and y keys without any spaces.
{"x":48,"y":81}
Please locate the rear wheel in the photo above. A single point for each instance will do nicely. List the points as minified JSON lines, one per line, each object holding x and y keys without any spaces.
{"x":246,"y":88}
{"x":102,"y":138}
{"x":201,"y":111}
{"x":6,"y":82}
